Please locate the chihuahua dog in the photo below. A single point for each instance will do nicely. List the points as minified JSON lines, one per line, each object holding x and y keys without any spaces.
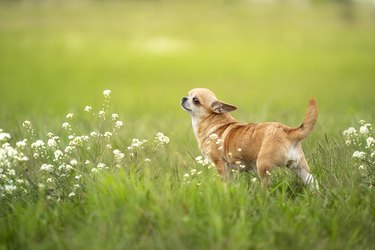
{"x":229,"y":144}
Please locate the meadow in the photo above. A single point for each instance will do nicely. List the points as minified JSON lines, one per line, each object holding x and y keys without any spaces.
{"x":120,"y":169}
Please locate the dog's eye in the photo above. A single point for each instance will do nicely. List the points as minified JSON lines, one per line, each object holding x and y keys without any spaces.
{"x":196,"y":101}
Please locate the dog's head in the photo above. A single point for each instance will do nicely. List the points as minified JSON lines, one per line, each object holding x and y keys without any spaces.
{"x":202,"y":102}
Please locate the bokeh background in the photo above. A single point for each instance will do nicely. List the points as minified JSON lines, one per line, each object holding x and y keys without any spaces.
{"x":266,"y":57}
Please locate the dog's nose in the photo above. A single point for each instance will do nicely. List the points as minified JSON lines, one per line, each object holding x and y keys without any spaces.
{"x":184,"y":99}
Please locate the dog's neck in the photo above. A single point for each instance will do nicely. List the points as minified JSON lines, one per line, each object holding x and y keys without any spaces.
{"x":204,"y":127}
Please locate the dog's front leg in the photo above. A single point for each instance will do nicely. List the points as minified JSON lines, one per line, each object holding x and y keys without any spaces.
{"x":221,"y":168}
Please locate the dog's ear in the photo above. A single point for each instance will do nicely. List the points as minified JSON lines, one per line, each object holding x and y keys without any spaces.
{"x":221,"y":107}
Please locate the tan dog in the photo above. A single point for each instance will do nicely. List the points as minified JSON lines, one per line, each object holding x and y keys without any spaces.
{"x":228,"y":143}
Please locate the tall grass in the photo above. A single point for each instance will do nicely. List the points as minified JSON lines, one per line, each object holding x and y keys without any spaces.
{"x":171,"y":202}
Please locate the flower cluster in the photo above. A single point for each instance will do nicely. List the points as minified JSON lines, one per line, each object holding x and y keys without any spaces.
{"x":10,"y":159}
{"x":214,"y":138}
{"x":160,"y":140}
{"x":362,"y":142}
{"x":203,"y":165}
{"x":60,"y":164}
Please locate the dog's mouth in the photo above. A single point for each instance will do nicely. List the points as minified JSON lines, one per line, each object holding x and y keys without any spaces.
{"x":183,"y":106}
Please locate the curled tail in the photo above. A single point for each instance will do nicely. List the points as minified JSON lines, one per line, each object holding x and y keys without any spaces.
{"x":308,"y":124}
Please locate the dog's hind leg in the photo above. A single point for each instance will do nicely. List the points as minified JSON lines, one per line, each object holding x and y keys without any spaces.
{"x":264,"y":167}
{"x":303,"y":172}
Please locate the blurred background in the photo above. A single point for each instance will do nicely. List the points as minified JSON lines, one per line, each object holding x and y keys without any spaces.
{"x":267,"y":57}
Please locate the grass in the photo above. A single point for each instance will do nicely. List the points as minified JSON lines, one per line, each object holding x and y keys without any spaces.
{"x":266,"y":59}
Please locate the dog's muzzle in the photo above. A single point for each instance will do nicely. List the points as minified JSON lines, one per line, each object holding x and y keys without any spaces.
{"x":184,"y":99}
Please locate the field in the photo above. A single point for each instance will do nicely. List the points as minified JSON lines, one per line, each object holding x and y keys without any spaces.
{"x":128,"y":177}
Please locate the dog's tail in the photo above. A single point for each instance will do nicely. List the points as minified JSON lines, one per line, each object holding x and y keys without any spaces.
{"x":308,"y":124}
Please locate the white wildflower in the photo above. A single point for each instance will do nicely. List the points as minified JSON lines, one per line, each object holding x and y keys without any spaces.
{"x":66,"y":126}
{"x":37,"y":144}
{"x":77,"y":141}
{"x":68,"y":168}
{"x":52,"y":143}
{"x":101,"y":166}
{"x":26,"y":124}
{"x":72,"y":194}
{"x":49,"y":180}
{"x":4,"y":137}
{"x":74,"y":162}
{"x":58,"y":155}
{"x":118,"y":155}
{"x":46,"y":167}
{"x":361,"y":167}
{"x":69,"y":116}
{"x":23,"y":158}
{"x":108,"y":135}
{"x":213,"y":136}
{"x":68,"y":149}
{"x":102,"y":114}
{"x":254,"y":179}
{"x":20,"y":181}
{"x":21,"y":144}
{"x":350,"y":131}
{"x":9,"y":188}
{"x":11,"y":172}
{"x":115,"y":116}
{"x":87,"y":162}
{"x":161,"y":138}
{"x":370,"y":142}
{"x":78,"y":177}
{"x":364,"y":130}
{"x":88,"y":109}
{"x":136,"y":143}
{"x":93,"y":134}
{"x":118,"y":124}
{"x":359,"y":155}
{"x":106,"y":93}
{"x":94,"y":170}
{"x":147,"y":160}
